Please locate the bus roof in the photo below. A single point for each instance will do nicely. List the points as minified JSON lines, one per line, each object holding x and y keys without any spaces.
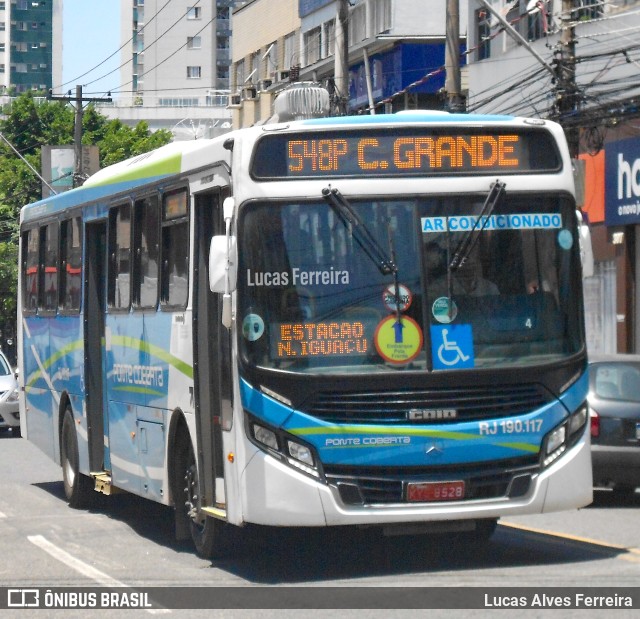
{"x":163,"y":162}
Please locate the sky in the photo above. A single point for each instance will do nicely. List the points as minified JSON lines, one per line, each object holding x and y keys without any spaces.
{"x":90,"y":34}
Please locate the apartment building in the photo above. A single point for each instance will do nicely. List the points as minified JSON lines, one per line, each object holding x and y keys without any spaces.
{"x":395,"y":52}
{"x":175,"y":59}
{"x":30,"y":45}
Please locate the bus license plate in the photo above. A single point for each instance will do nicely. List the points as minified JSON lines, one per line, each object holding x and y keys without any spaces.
{"x":435,"y":491}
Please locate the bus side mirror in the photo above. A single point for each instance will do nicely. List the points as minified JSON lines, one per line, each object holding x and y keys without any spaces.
{"x":222,"y":271}
{"x":586,"y":247}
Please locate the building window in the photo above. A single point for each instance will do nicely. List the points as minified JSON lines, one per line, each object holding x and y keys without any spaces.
{"x":289,"y":51}
{"x":483,"y":35}
{"x":589,"y":9}
{"x":194,"y":12}
{"x":271,"y":59}
{"x":239,"y":73}
{"x":358,"y":24}
{"x":194,"y":72}
{"x":311,"y":40}
{"x":538,"y":22}
{"x":328,"y":38}
{"x":194,"y":42}
{"x":380,"y":15}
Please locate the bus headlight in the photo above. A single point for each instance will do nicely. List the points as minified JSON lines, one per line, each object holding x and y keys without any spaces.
{"x":284,"y":447}
{"x":300,"y":452}
{"x":265,"y":436}
{"x":556,"y":440}
{"x":564,"y":436}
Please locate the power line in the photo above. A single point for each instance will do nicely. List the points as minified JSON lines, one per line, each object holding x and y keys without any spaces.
{"x":140,"y":31}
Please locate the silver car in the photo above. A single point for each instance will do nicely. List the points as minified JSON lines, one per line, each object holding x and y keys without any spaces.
{"x":614,"y":400}
{"x":9,"y":411}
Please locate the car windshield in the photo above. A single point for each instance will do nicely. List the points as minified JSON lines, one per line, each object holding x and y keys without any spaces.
{"x":314,"y":297}
{"x":616,"y":380}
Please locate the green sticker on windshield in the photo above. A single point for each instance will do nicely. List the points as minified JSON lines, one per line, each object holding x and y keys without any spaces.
{"x":444,"y":310}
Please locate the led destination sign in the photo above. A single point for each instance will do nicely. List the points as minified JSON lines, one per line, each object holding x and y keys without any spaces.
{"x":404,"y":153}
{"x":314,"y":339}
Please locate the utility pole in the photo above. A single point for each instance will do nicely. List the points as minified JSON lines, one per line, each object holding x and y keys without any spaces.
{"x":563,"y":73}
{"x":78,"y":174}
{"x":567,"y":99}
{"x":452,"y":84}
{"x":341,"y":67}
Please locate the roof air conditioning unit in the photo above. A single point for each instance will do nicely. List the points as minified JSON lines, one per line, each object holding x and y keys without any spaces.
{"x":265,"y":84}
{"x":234,"y":101}
{"x":282,"y":76}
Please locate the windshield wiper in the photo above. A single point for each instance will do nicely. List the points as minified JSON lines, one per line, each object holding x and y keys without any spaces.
{"x":467,"y":243}
{"x":385,"y":263}
{"x":351,"y":220}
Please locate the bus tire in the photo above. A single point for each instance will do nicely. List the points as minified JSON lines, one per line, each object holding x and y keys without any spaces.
{"x":77,"y":487}
{"x":205,"y":531}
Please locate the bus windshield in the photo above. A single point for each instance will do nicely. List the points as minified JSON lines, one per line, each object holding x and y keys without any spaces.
{"x":312,"y":299}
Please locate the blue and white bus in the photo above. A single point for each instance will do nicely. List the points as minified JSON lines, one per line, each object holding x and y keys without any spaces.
{"x":371,"y":320}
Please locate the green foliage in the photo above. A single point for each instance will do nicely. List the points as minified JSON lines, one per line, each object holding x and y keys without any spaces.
{"x":28,"y":124}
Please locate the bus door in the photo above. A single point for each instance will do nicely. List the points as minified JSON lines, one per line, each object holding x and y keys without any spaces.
{"x":94,"y":331}
{"x":211,"y":353}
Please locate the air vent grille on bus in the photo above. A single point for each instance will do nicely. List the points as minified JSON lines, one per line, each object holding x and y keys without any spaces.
{"x":380,"y":485}
{"x":427,"y":406}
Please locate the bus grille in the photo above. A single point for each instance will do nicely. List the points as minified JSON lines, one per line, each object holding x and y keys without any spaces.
{"x":375,"y":486}
{"x":392,"y":407}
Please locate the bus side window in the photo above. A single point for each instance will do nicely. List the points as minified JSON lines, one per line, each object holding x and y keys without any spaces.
{"x":48,"y":297}
{"x":175,"y":250}
{"x":119,"y":279}
{"x":31,"y":269}
{"x":70,"y":264}
{"x":146,"y":252}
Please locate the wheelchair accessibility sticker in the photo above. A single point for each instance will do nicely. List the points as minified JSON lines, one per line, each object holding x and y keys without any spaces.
{"x":452,"y":346}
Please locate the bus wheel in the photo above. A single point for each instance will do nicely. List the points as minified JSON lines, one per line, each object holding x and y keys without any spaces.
{"x":205,"y":530}
{"x":77,"y":487}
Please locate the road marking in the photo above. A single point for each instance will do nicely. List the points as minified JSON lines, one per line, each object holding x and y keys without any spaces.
{"x":83,"y":568}
{"x":633,"y":553}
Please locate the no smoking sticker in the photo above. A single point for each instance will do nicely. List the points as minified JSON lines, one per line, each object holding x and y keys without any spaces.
{"x":402,"y":301}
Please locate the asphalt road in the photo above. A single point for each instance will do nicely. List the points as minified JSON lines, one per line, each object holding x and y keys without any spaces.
{"x":125,"y":542}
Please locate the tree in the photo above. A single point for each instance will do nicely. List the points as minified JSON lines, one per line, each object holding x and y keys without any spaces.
{"x":30,"y":123}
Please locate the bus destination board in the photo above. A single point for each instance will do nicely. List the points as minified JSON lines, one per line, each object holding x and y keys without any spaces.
{"x":352,"y":153}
